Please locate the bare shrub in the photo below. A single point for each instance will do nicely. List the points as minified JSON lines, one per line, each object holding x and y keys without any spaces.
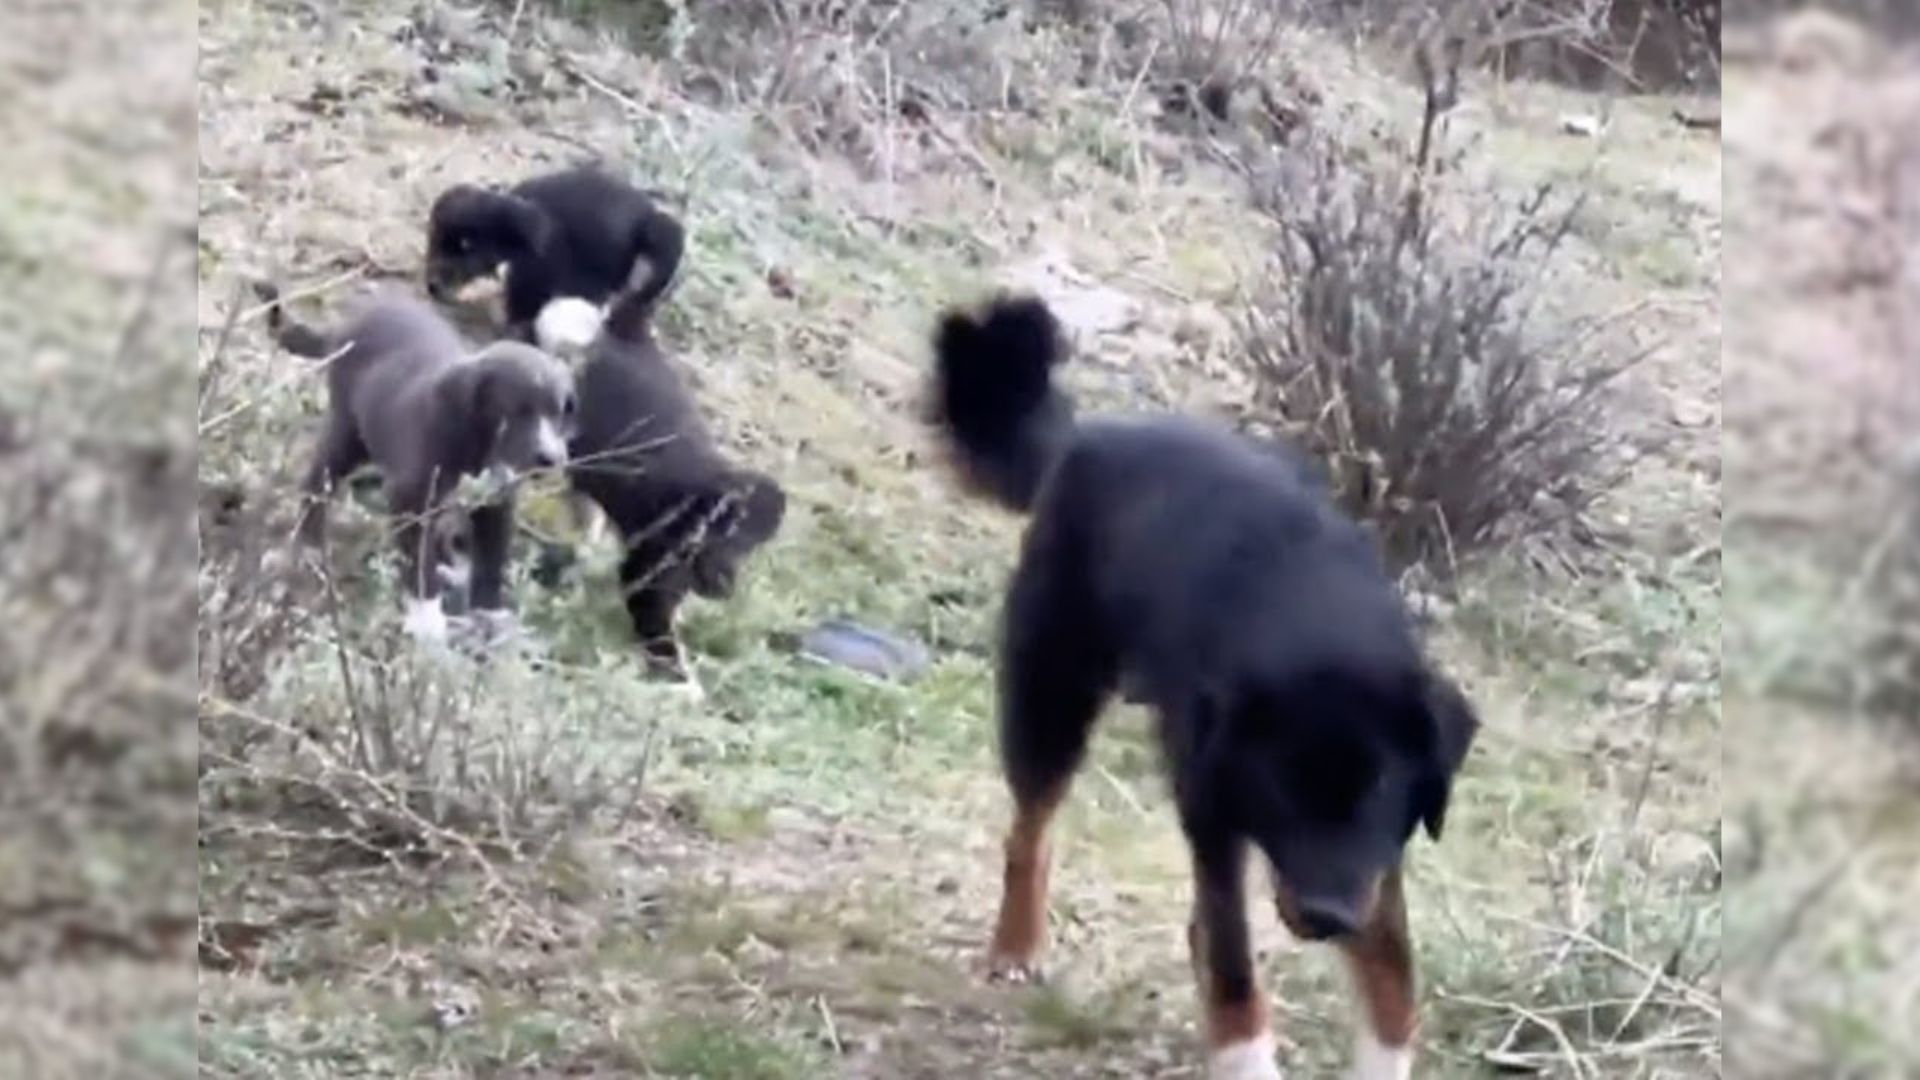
{"x":1213,"y":44}
{"x":866,"y":79}
{"x":1407,"y":351}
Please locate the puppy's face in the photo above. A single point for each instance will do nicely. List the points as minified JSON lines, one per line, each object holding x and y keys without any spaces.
{"x":1330,"y":778}
{"x":523,"y":403}
{"x":471,"y":231}
{"x":748,"y":518}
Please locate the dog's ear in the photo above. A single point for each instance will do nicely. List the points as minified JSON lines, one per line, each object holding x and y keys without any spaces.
{"x":1450,"y":720}
{"x":469,"y":399}
{"x":655,"y":249}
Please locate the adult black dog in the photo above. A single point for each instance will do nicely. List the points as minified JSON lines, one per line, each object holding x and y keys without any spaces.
{"x":1207,"y":574}
{"x":405,"y":394}
{"x":686,"y":516}
{"x":579,"y":233}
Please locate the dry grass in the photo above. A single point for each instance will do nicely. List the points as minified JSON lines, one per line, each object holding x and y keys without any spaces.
{"x":1821,"y":854}
{"x":96,"y":745}
{"x":797,"y":889}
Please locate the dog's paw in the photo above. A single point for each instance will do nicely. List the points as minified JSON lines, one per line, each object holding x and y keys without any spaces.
{"x":1015,"y":970}
{"x":1374,"y":1060}
{"x":1249,"y":1060}
{"x":426,"y":622}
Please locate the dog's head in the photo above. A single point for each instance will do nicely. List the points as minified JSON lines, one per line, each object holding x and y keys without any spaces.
{"x":472,"y":230}
{"x":520,"y":403}
{"x":1330,"y":773}
{"x":742,"y":519}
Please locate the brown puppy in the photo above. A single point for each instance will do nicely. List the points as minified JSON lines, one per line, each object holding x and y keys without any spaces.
{"x":407,"y":395}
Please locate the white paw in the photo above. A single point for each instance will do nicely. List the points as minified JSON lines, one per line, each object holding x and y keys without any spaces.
{"x":426,"y":622}
{"x":1250,"y":1060}
{"x":1374,"y":1060}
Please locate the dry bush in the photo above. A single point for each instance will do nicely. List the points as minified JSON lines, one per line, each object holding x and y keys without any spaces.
{"x":1410,"y":356}
{"x":868,"y":79}
{"x":1212,"y":44}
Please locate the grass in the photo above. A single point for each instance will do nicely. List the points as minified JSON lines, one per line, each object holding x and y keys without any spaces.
{"x":802,"y":885}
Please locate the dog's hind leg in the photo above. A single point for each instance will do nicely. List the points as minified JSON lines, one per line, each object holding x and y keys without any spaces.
{"x":1054,"y":677}
{"x":1380,"y":956}
{"x":1239,"y":1042}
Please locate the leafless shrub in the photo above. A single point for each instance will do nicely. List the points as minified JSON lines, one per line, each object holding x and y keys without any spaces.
{"x":1213,"y":44}
{"x":867,"y":79}
{"x":1408,"y":351}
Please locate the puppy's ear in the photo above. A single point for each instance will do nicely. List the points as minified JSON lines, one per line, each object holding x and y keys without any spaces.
{"x":1450,"y":719}
{"x":468,"y":400}
{"x":655,"y":249}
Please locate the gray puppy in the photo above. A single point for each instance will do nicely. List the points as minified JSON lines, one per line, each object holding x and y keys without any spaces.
{"x":406,"y":395}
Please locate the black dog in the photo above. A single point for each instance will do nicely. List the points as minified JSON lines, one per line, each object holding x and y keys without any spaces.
{"x":686,"y":516}
{"x":1208,"y":574}
{"x":405,"y":395}
{"x":578,"y":233}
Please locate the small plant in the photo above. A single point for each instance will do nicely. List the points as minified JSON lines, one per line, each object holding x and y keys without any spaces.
{"x":1405,"y":352}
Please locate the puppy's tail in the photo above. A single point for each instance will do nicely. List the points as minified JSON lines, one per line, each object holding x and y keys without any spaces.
{"x":297,"y":338}
{"x":994,"y":400}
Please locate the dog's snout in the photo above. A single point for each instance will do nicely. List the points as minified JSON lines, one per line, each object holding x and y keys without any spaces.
{"x":550,"y":447}
{"x":1319,"y":920}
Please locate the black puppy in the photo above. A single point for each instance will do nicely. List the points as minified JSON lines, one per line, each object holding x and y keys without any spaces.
{"x":686,"y":516}
{"x":1296,"y":712}
{"x":405,"y":394}
{"x":577,"y":233}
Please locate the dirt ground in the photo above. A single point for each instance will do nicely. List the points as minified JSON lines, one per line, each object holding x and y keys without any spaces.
{"x":801,"y":882}
{"x":1820,"y":388}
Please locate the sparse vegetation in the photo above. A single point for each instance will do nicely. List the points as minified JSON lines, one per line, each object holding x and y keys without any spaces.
{"x":1410,"y":360}
{"x":542,"y":864}
{"x":1821,"y":837}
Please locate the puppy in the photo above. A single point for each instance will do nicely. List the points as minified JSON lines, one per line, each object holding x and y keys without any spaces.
{"x":687,"y":518}
{"x":577,"y":233}
{"x":1208,"y":574}
{"x":404,"y":394}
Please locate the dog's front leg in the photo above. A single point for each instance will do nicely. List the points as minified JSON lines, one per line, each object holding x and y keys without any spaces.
{"x":412,"y":506}
{"x":1239,"y":1042}
{"x":1380,"y":957}
{"x":492,"y":536}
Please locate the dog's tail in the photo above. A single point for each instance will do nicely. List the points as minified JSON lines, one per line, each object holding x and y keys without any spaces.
{"x":295,"y":337}
{"x":994,"y":400}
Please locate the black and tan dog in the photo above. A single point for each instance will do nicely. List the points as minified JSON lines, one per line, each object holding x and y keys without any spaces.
{"x":687,"y":517}
{"x":406,"y":394}
{"x":1297,"y":715}
{"x":580,"y":234}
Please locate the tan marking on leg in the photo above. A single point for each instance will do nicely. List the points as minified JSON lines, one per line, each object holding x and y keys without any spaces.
{"x":1380,"y":956}
{"x":1020,"y":934}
